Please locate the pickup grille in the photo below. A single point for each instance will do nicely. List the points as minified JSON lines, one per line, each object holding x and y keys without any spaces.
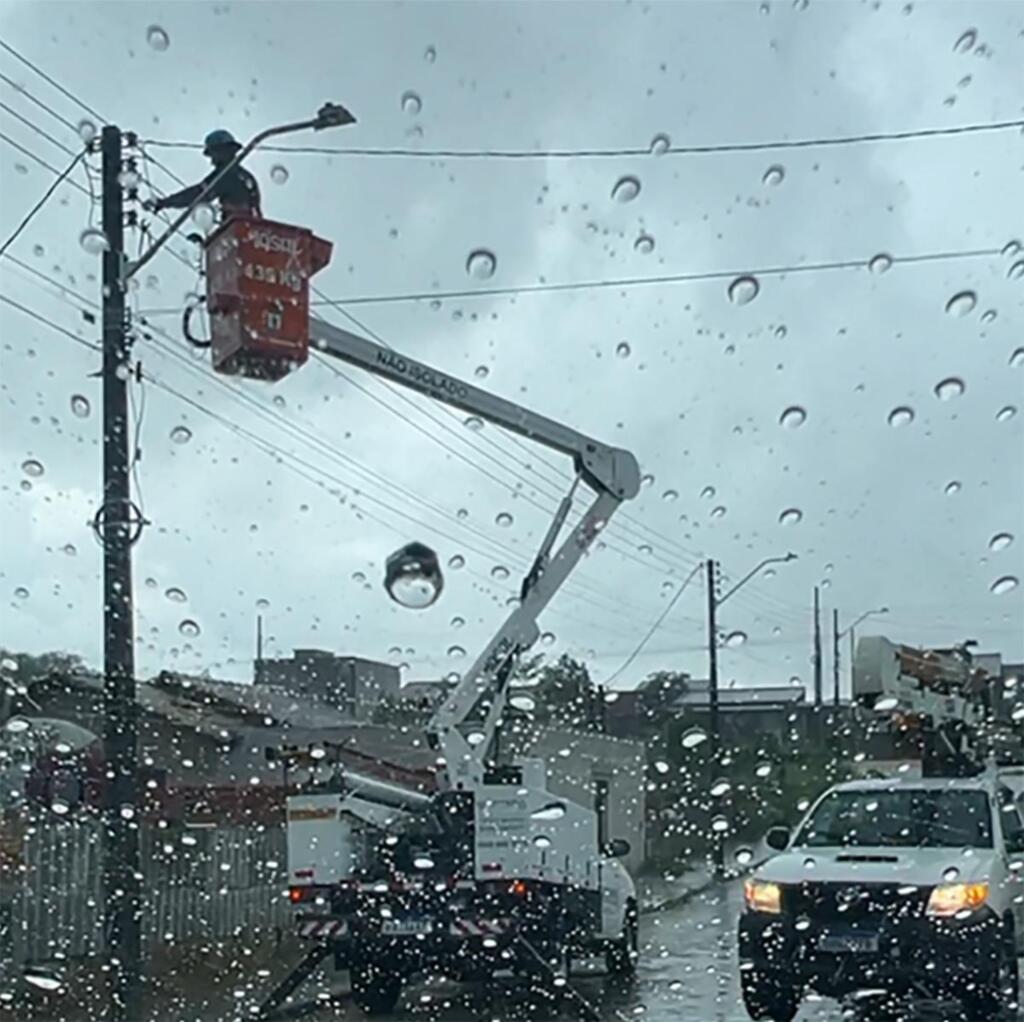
{"x":855,"y":902}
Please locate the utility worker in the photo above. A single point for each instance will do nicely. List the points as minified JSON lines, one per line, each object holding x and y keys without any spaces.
{"x":237,"y":191}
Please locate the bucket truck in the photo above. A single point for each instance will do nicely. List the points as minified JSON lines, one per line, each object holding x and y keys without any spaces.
{"x":900,"y":888}
{"x":491,"y":871}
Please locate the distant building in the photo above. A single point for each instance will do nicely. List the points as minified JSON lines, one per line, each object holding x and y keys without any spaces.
{"x":353,"y":685}
{"x":746,"y":710}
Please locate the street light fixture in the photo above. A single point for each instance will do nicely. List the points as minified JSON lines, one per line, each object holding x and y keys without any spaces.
{"x":837,"y":635}
{"x":714,"y":602}
{"x":330,"y":115}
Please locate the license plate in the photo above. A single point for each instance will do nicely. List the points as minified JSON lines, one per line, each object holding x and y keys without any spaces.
{"x":849,"y":943}
{"x":405,"y":927}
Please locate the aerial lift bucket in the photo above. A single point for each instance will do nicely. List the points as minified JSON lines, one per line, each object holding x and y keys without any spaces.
{"x":258,"y":275}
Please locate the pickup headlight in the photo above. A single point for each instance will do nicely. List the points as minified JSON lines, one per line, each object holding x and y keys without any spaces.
{"x":949,"y":900}
{"x":762,"y":896}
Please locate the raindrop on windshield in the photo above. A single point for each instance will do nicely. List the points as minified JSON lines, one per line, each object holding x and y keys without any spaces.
{"x":989,"y":316}
{"x":743,"y":290}
{"x":901,"y":416}
{"x":881,"y":263}
{"x":503,"y":519}
{"x":734,"y":639}
{"x":481,"y":264}
{"x":660,"y":145}
{"x":69,"y":549}
{"x":718,"y":512}
{"x":793,"y":417}
{"x":175,"y":595}
{"x":744,"y":856}
{"x":456,"y":652}
{"x":707,"y":493}
{"x":693,"y":737}
{"x":962,"y":303}
{"x":542,"y":842}
{"x":524,"y":703}
{"x":762,"y":769}
{"x":93,"y":241}
{"x":430,"y":54}
{"x":1000,"y":541}
{"x":1011,"y":248}
{"x":86,"y":130}
{"x":181,"y":434}
{"x":952,"y":487}
{"x":189,"y":628}
{"x":966,"y":41}
{"x":547,"y":638}
{"x":719,"y":824}
{"x":774,"y":175}
{"x":670,"y":495}
{"x":949,"y":388}
{"x":623,"y":350}
{"x":551,"y":811}
{"x":157,"y":38}
{"x":626,"y":189}
{"x":33,"y":468}
{"x":279,"y":174}
{"x":644,"y":244}
{"x":481,"y":372}
{"x":411,"y":103}
{"x":1004,"y":585}
{"x":791,"y":516}
{"x":474,"y":423}
{"x":456,"y":561}
{"x":499,"y":572}
{"x":412,"y":576}
{"x":1016,"y":271}
{"x":203,"y":216}
{"x":423,"y":862}
{"x":1006,"y":413}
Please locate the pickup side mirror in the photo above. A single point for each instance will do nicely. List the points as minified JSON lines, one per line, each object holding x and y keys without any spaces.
{"x":777,"y":838}
{"x":616,"y":848}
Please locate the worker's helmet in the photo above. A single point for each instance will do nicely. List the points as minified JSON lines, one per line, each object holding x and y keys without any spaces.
{"x":219,"y":139}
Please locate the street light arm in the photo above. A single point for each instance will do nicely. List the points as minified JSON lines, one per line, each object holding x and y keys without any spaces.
{"x":753,"y":571}
{"x":868,"y":613}
{"x":330,"y":115}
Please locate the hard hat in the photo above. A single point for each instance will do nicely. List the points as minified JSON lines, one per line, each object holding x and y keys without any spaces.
{"x":219,"y":139}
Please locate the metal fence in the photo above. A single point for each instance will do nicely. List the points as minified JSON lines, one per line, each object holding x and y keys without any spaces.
{"x":198,"y":883}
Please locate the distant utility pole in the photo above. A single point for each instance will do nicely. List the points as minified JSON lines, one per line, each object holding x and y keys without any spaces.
{"x":115,"y":522}
{"x":717,"y":842}
{"x":817,"y":647}
{"x":835,"y":657}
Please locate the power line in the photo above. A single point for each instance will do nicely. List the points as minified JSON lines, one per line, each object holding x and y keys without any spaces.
{"x":48,"y":322}
{"x":35,"y":127}
{"x":652,"y":150}
{"x":673,"y":278}
{"x":657,"y":624}
{"x":695,"y":276}
{"x":42,"y":163}
{"x":42,"y":202}
{"x":46,"y":78}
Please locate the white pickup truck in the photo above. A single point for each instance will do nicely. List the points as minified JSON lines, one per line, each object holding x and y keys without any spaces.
{"x":889,"y":889}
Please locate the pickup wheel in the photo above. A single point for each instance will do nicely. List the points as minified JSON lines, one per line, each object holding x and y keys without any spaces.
{"x":375,"y":991}
{"x":622,"y":956}
{"x":996,"y":993}
{"x":768,"y":997}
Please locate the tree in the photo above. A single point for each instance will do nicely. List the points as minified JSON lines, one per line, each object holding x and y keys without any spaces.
{"x":566,"y":693}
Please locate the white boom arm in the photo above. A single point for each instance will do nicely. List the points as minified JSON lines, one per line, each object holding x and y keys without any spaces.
{"x":611,"y":472}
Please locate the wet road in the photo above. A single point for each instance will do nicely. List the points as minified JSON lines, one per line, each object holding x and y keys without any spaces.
{"x":687,"y":971}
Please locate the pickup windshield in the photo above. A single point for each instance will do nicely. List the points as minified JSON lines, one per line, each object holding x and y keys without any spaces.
{"x":921,"y":818}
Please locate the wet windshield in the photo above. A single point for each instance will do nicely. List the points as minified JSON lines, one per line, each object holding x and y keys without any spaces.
{"x":900,"y":819}
{"x":590,"y":429}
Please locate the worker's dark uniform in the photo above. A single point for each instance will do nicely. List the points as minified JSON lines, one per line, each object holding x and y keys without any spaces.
{"x":237,"y":192}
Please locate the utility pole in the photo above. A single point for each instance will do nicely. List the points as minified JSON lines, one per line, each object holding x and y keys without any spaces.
{"x":717,"y":842}
{"x":817,"y":647}
{"x":835,"y":657}
{"x":115,"y":522}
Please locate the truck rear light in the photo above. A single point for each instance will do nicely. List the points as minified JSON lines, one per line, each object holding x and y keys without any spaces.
{"x":297,"y":894}
{"x":491,"y":867}
{"x":519,"y":887}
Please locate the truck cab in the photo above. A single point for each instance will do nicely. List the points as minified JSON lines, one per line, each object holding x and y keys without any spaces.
{"x":888,"y":889}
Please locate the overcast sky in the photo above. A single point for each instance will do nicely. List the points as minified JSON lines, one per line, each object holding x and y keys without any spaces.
{"x":698,"y":398}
